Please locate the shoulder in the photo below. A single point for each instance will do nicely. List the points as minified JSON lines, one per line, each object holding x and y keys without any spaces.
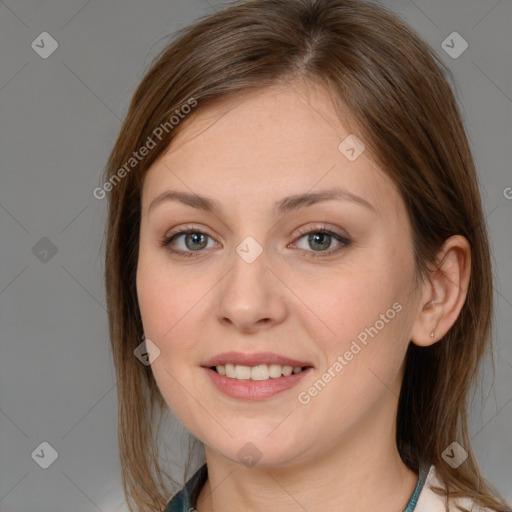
{"x":430,"y":501}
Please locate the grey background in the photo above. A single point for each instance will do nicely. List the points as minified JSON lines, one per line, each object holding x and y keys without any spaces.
{"x":59,"y":119}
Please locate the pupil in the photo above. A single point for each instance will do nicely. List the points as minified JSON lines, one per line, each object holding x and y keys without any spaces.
{"x":195,"y":237}
{"x":314,"y":239}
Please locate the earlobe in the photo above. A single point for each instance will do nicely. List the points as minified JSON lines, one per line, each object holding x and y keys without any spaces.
{"x":444,"y":292}
{"x":426,"y":330}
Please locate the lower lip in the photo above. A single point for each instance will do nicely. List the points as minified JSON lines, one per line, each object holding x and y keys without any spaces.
{"x":254,"y":389}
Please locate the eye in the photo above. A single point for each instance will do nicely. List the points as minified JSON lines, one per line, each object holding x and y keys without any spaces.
{"x":193,"y":241}
{"x":321,"y":239}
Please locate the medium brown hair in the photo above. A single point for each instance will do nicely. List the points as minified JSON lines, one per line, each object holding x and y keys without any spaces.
{"x":379,"y":73}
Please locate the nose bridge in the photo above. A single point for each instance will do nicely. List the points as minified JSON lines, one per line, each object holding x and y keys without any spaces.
{"x":249,"y":294}
{"x":248,"y":280}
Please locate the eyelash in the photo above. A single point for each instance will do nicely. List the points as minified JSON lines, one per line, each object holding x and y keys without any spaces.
{"x":166,"y":241}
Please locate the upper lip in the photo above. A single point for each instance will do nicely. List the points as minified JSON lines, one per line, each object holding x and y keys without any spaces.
{"x":253,"y":359}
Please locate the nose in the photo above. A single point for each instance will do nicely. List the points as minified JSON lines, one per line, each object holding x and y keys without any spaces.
{"x":251,"y":296}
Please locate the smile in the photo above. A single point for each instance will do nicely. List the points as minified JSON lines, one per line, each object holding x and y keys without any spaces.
{"x":258,"y":373}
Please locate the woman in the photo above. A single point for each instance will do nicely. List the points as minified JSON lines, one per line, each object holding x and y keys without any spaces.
{"x":296,"y":230}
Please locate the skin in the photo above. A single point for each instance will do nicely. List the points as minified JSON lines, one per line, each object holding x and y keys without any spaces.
{"x":247,"y":154}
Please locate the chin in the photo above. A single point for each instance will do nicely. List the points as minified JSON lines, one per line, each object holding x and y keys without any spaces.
{"x":263,"y":452}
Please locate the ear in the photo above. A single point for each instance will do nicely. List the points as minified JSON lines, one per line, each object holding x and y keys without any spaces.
{"x":444,"y":292}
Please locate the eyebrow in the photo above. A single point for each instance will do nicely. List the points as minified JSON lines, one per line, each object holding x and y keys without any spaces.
{"x":281,"y":207}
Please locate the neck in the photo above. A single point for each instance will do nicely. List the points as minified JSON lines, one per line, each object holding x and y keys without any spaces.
{"x":363,"y":473}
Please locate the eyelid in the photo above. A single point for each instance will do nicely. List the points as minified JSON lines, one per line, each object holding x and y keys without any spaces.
{"x":187,"y":228}
{"x":320,"y":226}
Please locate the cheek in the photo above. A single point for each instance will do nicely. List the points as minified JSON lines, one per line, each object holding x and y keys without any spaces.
{"x":356,"y":301}
{"x":165,"y":298}
{"x":369,"y":310}
{"x":167,"y":307}
{"x":171,"y":304}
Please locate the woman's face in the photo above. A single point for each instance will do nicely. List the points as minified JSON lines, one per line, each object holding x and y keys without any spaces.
{"x":265,"y":282}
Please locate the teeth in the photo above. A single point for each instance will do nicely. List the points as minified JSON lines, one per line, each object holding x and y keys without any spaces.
{"x":260,"y":372}
{"x":275,"y":370}
{"x":242,"y":372}
{"x":287,"y":370}
{"x":230,"y":371}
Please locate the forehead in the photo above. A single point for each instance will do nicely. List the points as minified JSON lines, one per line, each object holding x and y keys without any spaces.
{"x":281,"y":114}
{"x":264,"y":143}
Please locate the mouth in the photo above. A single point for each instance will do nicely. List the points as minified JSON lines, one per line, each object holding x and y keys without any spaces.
{"x":259,"y":372}
{"x":255,"y":376}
